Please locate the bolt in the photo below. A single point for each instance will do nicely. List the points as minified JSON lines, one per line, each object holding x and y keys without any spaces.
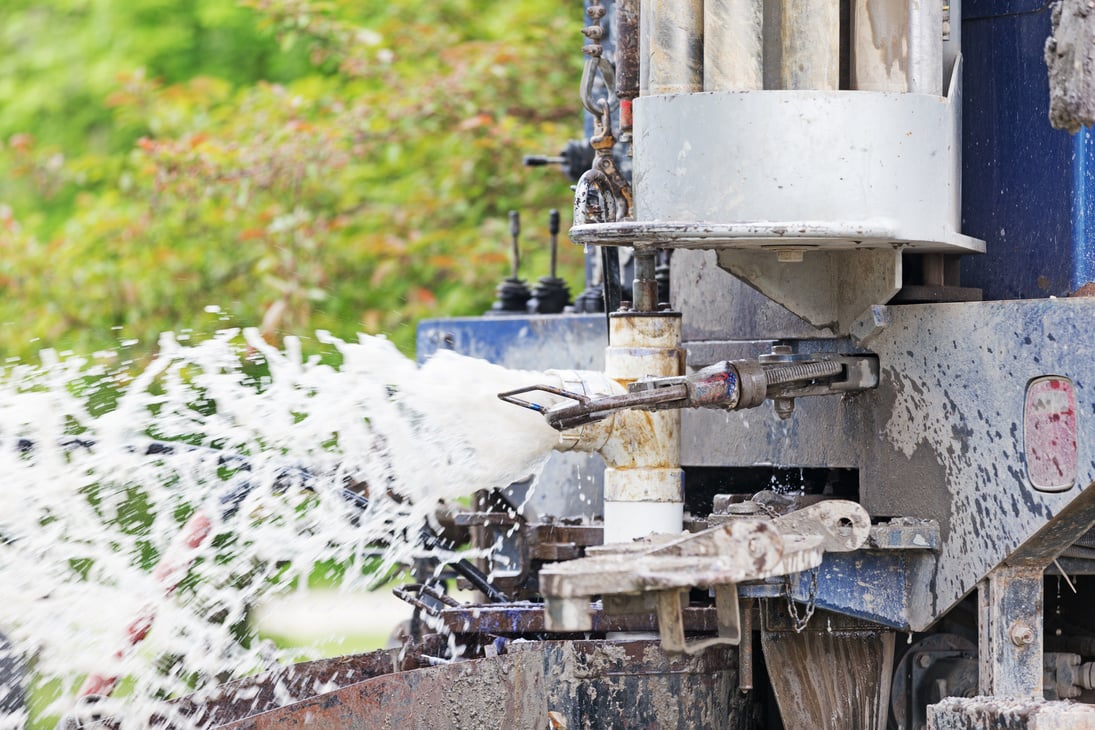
{"x":924,"y":661}
{"x":1021,"y":634}
{"x":784,"y":407}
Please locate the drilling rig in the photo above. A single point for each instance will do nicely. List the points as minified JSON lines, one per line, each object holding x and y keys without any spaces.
{"x":832,"y":465}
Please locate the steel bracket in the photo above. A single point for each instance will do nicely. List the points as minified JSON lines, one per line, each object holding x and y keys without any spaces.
{"x":741,"y":549}
{"x":671,"y":620}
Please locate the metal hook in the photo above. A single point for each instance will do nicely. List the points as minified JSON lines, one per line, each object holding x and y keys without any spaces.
{"x":589,"y":80}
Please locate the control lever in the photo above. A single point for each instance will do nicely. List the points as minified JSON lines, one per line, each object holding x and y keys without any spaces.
{"x":513,"y":294}
{"x":551,"y":294}
{"x":729,"y":385}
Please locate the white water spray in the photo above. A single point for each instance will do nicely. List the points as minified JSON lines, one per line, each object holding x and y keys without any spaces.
{"x":92,"y":501}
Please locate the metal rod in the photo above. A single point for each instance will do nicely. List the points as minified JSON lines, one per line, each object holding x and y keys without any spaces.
{"x":925,"y":72}
{"x":733,"y":45}
{"x":644,"y":287}
{"x":671,"y":46}
{"x":810,"y":44}
{"x":745,"y":648}
{"x":627,"y":49}
{"x":783,"y":374}
{"x":610,"y":271}
{"x":477,"y":578}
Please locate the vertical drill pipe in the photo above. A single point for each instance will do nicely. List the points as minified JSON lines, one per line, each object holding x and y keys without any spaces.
{"x":644,"y":287}
{"x":610,"y":273}
{"x":672,"y":45}
{"x":644,"y":487}
{"x":925,"y":74}
{"x":644,"y":48}
{"x":880,"y":45}
{"x":733,"y":42}
{"x":810,"y":44}
{"x":627,"y":49}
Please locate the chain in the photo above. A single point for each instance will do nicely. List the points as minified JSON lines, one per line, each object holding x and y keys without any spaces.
{"x":595,"y":62}
{"x":797,"y":622}
{"x":594,"y":32}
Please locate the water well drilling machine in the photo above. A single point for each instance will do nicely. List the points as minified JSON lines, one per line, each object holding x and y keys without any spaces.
{"x":843,"y":474}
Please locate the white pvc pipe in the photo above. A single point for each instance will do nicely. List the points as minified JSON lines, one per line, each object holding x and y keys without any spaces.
{"x":644,"y":484}
{"x":623,"y":519}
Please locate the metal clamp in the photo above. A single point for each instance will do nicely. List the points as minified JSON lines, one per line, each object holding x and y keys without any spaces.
{"x":742,"y":549}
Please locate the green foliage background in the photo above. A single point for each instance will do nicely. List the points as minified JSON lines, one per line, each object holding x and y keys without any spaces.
{"x":291,"y":164}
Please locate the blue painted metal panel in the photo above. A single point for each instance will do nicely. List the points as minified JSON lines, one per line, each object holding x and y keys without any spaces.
{"x":869,"y":584}
{"x":1028,"y":189}
{"x":539,"y":342}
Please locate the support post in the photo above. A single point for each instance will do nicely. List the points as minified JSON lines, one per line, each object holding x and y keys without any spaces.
{"x":1009,"y":619}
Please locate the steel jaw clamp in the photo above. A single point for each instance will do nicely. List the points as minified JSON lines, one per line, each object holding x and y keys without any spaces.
{"x":657,"y":573}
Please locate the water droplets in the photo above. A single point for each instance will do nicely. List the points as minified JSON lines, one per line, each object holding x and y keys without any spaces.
{"x":105,"y":473}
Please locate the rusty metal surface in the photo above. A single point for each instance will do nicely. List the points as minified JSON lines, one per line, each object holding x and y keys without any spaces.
{"x":529,"y":684}
{"x":634,"y":684}
{"x":505,"y":691}
{"x":1010,"y":622}
{"x":235,"y":700}
{"x":525,"y":619}
{"x":627,"y":48}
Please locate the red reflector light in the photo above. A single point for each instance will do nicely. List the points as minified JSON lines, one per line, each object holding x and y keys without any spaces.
{"x":1049,"y":433}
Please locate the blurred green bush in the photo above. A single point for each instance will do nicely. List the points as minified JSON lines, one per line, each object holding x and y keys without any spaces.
{"x":292,"y":164}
